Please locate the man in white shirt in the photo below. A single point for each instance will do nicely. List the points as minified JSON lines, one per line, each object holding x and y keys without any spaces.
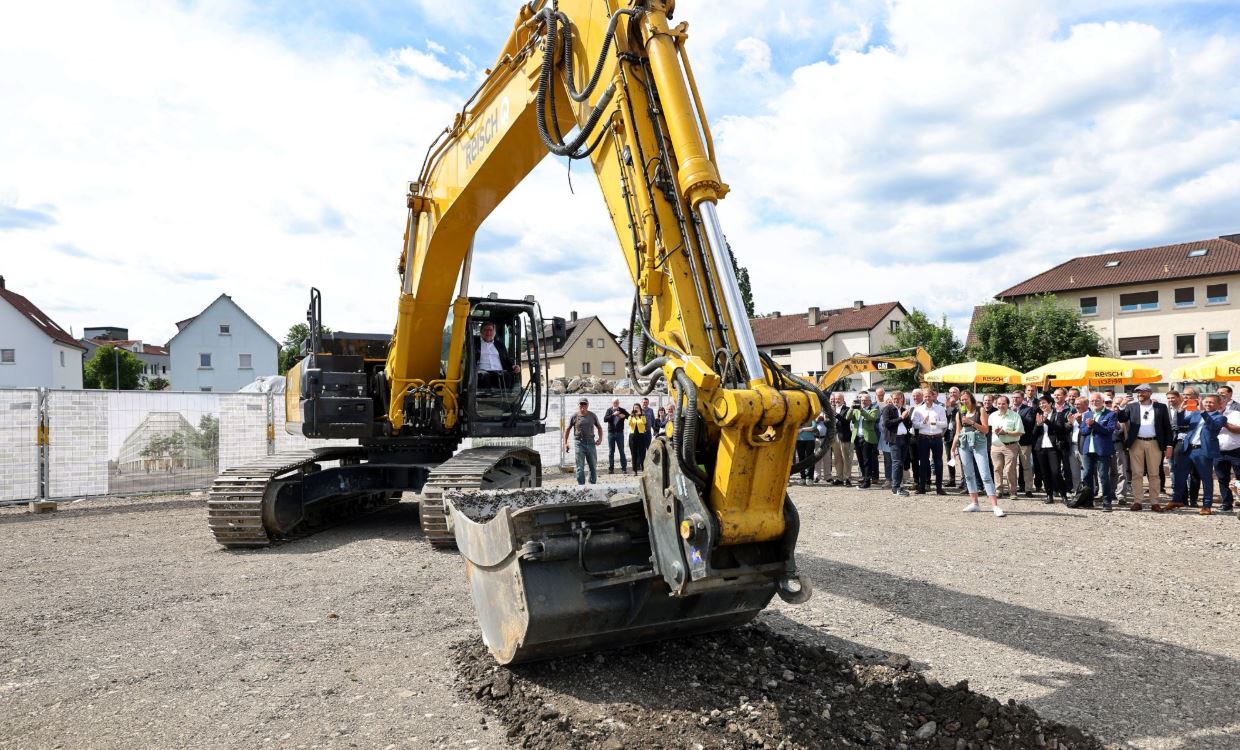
{"x":1230,"y":404}
{"x":929,"y":425}
{"x":494,"y":364}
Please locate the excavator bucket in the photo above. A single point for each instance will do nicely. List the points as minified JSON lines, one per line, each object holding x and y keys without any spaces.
{"x":559,"y":571}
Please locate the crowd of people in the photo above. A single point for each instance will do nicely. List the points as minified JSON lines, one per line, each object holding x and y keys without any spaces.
{"x":1101,"y":448}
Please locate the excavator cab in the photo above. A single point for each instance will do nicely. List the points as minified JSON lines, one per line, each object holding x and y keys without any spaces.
{"x":503,"y":369}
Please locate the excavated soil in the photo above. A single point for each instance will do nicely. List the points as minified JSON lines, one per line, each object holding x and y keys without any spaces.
{"x":749,"y":687}
{"x":483,"y":505}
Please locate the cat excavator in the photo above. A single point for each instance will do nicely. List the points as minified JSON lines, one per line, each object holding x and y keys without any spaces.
{"x":708,"y":535}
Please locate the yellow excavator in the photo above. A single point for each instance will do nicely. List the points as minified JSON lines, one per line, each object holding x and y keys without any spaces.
{"x":915,"y":358}
{"x":707,"y":536}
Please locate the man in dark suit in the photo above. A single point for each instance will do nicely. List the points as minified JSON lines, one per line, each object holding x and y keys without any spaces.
{"x":491,"y":356}
{"x":1199,"y":449}
{"x":1097,"y":436}
{"x":1149,"y":439}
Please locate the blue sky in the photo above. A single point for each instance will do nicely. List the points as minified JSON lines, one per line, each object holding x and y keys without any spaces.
{"x":930,"y":152}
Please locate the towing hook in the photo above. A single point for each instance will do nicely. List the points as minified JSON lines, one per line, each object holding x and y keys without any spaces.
{"x":794,"y":589}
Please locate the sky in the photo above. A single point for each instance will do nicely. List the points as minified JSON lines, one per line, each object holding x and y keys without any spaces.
{"x":156,"y":154}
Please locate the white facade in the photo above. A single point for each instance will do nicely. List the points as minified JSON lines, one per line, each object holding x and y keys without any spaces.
{"x":221,"y":350}
{"x":36,"y":359}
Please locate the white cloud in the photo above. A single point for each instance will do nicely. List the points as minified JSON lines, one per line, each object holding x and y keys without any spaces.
{"x":968,"y":156}
{"x":983,"y":143}
{"x":756,"y":55}
{"x":191,"y":149}
{"x":426,"y":64}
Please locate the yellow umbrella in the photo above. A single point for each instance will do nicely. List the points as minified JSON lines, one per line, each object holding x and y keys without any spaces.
{"x":983,"y":373}
{"x":1093,"y":371}
{"x":1220,"y":367}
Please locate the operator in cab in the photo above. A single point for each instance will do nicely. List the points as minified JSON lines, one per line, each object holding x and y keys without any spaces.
{"x":494,"y":363}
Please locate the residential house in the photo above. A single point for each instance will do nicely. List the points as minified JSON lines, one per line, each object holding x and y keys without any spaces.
{"x":585,"y":348}
{"x":34,"y":350}
{"x":811,"y":342}
{"x":1164,"y":306}
{"x":220,"y":349}
{"x":155,"y":362}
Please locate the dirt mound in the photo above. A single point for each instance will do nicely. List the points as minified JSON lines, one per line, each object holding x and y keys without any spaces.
{"x":745,"y":688}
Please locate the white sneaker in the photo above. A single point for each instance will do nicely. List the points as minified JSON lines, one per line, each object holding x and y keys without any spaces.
{"x":999,"y":512}
{"x":971,"y":508}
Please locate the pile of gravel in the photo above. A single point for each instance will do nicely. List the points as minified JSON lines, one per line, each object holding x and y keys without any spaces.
{"x":748,"y":687}
{"x":482,"y":505}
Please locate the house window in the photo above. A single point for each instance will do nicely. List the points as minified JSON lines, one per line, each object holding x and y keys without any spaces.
{"x":830,"y":358}
{"x":786,"y":352}
{"x":1138,"y":301}
{"x":204,"y":360}
{"x":895,"y":326}
{"x":1089,"y":305}
{"x":205,"y":389}
{"x":1185,"y":297}
{"x":600,"y":343}
{"x":1199,"y":252}
{"x":1218,"y":342}
{"x":1112,"y":264}
{"x":244,"y":360}
{"x":585,"y":368}
{"x":1216,"y":294}
{"x":62,"y":359}
{"x":225,"y":329}
{"x":1138,"y":346}
{"x":589,"y":343}
{"x":163,"y":369}
{"x":8,"y":356}
{"x":1185,"y":343}
{"x":609,"y":368}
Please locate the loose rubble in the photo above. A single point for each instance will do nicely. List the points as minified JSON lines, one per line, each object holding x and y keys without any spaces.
{"x":482,"y":506}
{"x":745,"y":688}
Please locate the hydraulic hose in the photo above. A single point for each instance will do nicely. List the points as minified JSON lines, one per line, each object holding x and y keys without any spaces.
{"x":684,"y":438}
{"x":545,"y":97}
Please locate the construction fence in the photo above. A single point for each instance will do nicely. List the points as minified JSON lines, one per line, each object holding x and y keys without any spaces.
{"x":59,"y":444}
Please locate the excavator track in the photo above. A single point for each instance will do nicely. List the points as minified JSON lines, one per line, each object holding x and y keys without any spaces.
{"x":489,"y":468}
{"x":236,"y":502}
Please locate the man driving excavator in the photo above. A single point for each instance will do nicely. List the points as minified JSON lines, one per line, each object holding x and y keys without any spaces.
{"x":495,"y":366}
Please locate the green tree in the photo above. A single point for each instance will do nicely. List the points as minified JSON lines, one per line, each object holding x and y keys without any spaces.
{"x":937,"y":339}
{"x":290,"y":352}
{"x":158,"y":384}
{"x":1041,"y":330}
{"x":208,"y":438}
{"x":101,"y":370}
{"x":742,"y":280}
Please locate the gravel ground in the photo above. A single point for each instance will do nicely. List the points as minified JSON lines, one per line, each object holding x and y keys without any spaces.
{"x":124,"y":626}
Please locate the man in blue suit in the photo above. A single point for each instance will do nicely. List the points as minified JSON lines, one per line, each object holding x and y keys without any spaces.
{"x":1097,"y":446}
{"x":1199,"y":450}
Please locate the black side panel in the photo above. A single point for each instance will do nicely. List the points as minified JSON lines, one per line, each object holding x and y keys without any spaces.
{"x":335,"y":399}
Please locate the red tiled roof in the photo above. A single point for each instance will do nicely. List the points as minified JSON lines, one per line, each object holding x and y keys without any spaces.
{"x":1163,"y":263}
{"x":795,"y":329}
{"x":39,"y":318}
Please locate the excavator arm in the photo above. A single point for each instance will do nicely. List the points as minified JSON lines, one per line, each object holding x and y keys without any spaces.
{"x":901,"y":359}
{"x":608,"y":81}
